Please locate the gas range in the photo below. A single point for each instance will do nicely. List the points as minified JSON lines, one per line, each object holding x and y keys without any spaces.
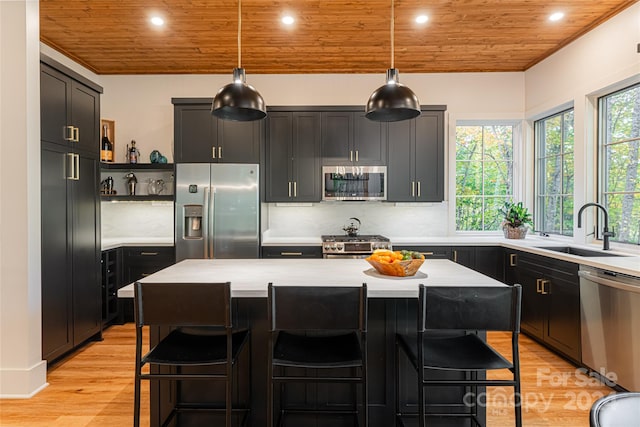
{"x":341,"y":246}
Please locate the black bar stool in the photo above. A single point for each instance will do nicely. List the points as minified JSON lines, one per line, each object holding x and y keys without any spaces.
{"x":203,"y":337}
{"x":449,"y":318}
{"x":316,"y":329}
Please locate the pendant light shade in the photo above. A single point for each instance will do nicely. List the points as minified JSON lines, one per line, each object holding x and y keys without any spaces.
{"x":393,"y":101}
{"x":239,"y":101}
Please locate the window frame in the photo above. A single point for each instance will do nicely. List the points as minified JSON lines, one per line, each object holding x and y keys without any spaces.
{"x":602,"y":174}
{"x":538,"y":176}
{"x":516,"y":165}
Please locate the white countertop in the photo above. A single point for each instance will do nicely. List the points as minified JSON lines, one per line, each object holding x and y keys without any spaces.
{"x":112,"y":243}
{"x":250,"y":278}
{"x":629,"y":263}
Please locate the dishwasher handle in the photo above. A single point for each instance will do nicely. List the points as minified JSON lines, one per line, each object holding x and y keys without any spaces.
{"x":608,"y":282}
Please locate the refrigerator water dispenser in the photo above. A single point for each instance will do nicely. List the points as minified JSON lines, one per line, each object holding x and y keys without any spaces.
{"x":193,"y":222}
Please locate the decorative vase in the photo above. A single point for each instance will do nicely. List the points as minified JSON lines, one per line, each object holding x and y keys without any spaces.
{"x":514,"y":232}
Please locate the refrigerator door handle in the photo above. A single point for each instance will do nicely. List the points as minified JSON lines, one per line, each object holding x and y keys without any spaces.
{"x":205,"y":226}
{"x":211,"y":218}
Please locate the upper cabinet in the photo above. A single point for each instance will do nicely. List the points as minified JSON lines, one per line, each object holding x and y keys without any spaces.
{"x":70,"y":111}
{"x":350,"y":139}
{"x":293,"y":156}
{"x":200,"y":137}
{"x":416,"y":158}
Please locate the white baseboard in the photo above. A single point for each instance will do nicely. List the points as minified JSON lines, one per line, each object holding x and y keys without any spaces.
{"x":23,"y":383}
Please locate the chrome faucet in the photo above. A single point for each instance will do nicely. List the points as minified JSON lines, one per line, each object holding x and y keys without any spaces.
{"x":605,"y":231}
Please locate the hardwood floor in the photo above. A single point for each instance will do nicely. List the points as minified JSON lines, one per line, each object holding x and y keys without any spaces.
{"x":94,"y":388}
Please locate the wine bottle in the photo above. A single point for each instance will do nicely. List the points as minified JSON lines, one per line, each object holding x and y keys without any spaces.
{"x":106,"y":149}
{"x":133,"y":152}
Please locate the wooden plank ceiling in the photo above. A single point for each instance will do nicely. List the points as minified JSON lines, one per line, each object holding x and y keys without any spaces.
{"x":329,"y":36}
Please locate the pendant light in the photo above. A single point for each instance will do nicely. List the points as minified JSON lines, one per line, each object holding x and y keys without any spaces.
{"x":239,"y":101}
{"x":393,"y":101}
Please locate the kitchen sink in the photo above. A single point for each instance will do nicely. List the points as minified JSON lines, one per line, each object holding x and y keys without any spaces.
{"x":579,"y":251}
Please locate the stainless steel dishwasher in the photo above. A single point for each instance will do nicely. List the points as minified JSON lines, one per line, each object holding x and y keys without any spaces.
{"x":610,"y":314}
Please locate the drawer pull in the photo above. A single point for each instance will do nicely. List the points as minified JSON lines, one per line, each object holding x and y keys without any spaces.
{"x":290,"y":253}
{"x":146,"y":274}
{"x":427,"y":253}
{"x":513,"y":260}
{"x":148,"y":253}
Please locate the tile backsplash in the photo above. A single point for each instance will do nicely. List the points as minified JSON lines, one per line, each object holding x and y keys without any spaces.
{"x":137,"y":219}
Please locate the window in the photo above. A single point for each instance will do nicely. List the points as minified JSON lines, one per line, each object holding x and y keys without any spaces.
{"x":619,"y":165}
{"x":554,"y":173}
{"x":484,"y":175}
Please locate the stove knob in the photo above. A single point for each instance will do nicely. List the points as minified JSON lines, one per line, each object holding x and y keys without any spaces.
{"x":327,"y":247}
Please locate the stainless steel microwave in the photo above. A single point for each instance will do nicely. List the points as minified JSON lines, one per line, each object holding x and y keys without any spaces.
{"x":354,"y":183}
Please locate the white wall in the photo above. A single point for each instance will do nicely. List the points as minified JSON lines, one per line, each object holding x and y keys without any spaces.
{"x":22,"y":370}
{"x":141,"y":107}
{"x":599,"y":62}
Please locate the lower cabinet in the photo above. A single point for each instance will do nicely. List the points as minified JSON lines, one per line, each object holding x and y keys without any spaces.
{"x":111,"y":282}
{"x":142,"y":261}
{"x":292,"y":252}
{"x":487,"y":260}
{"x":550,"y":300}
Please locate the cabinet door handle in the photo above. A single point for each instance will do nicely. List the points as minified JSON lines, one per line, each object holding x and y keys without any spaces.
{"x":148,"y":253}
{"x":351,"y":155}
{"x":67,"y":133}
{"x":76,"y":134}
{"x":70,"y":165}
{"x":543,"y":284}
{"x":513,"y":260}
{"x":455,"y":253}
{"x":290,"y":253}
{"x":418,"y":188}
{"x":146,"y":274}
{"x":357,"y":159}
{"x":77,"y":157}
{"x":538,"y":281}
{"x":213,"y":152}
{"x":295,"y":188}
{"x":289,"y":189}
{"x":219,"y":152}
{"x":413,"y":189}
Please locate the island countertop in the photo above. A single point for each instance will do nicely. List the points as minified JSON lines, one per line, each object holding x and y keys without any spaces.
{"x":250,"y":277}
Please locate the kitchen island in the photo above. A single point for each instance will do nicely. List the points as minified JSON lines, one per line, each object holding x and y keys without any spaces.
{"x":392,"y":308}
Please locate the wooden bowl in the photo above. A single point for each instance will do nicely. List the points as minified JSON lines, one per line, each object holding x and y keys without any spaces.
{"x":397,"y":268}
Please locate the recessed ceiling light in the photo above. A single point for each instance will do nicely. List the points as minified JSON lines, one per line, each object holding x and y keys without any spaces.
{"x":421,"y":19}
{"x":288,"y":20}
{"x":556,"y":16}
{"x":157,"y":21}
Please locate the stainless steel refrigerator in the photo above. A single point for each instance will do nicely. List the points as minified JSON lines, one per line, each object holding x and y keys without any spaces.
{"x":217,"y":211}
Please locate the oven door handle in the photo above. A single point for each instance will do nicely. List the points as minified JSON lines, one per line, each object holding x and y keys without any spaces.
{"x":610,"y":283}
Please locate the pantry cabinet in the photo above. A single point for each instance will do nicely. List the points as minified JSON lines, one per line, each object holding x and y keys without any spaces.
{"x":200,"y":137}
{"x":70,"y":236}
{"x":416,"y":158}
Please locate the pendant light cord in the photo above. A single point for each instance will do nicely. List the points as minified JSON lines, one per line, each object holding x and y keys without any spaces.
{"x":239,"y":32}
{"x":392,"y":41}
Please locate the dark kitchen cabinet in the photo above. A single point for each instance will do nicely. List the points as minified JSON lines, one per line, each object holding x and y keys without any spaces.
{"x":550,"y":300}
{"x":429,"y":252}
{"x":70,"y":232}
{"x":350,"y":139}
{"x":292,"y":252}
{"x":416,"y":158}
{"x":69,"y":112}
{"x":111,"y":282}
{"x":487,"y":260}
{"x":293,"y":156}
{"x":141,"y":261}
{"x":200,"y":137}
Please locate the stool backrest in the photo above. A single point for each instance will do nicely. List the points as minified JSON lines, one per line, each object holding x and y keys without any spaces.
{"x":183,"y":304}
{"x":318,"y":307}
{"x":489,"y":308}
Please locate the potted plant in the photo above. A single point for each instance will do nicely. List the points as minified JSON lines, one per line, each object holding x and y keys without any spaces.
{"x":517,"y":220}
